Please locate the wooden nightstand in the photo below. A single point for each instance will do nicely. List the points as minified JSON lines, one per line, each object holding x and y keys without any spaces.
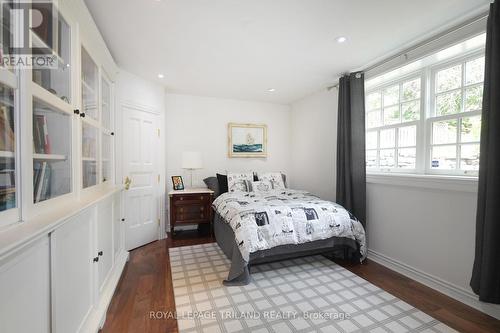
{"x":191,"y":206}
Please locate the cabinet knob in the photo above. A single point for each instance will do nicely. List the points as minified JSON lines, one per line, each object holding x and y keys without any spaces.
{"x":112,"y":133}
{"x":96,"y":259}
{"x":123,"y":220}
{"x":82,"y":114}
{"x":76,"y":111}
{"x":100,"y":253}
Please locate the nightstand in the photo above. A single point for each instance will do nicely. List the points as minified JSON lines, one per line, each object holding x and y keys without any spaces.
{"x":190,"y":206}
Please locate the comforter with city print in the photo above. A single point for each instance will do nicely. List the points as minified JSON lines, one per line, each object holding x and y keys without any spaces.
{"x":261,"y":221}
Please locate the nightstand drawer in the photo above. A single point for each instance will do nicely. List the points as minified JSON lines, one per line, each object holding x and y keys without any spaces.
{"x":188,"y":199}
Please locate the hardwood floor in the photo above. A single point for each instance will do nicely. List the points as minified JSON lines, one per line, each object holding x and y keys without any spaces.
{"x":146,"y":286}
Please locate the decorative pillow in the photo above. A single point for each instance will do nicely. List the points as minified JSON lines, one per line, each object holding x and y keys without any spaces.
{"x":261,"y":186}
{"x":236,"y":182}
{"x":222,"y":183}
{"x":275,"y":178}
{"x":213,"y":184}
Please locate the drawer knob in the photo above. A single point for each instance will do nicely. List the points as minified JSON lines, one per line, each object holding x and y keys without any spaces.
{"x":202,"y":208}
{"x":201,"y":198}
{"x":181,"y":198}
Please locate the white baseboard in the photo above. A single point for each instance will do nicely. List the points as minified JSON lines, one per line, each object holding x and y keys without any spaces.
{"x":449,"y":289}
{"x":97,"y":317}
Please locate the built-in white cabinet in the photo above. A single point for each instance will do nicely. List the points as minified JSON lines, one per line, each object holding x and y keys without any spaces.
{"x":72,"y":254}
{"x":105,"y":255}
{"x":25,"y":289}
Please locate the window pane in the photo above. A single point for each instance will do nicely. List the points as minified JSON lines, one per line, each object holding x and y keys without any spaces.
{"x":411,"y":90}
{"x":474,"y":98}
{"x":448,"y":103}
{"x":106,"y":104}
{"x":56,"y":80}
{"x":373,"y":119}
{"x":89,"y":85}
{"x":52,"y":147}
{"x":387,"y":158}
{"x":444,"y":157}
{"x":411,"y":111}
{"x":373,"y":101}
{"x":407,"y":136}
{"x":474,"y":71}
{"x":371,"y":140}
{"x":407,"y":158}
{"x":391,"y":95}
{"x":444,"y":131}
{"x":391,"y":115}
{"x":387,"y":138}
{"x":469,"y":157}
{"x":7,"y":149}
{"x":89,"y":155}
{"x":371,"y":158}
{"x":450,"y":78}
{"x":106,"y":157}
{"x":470,"y":130}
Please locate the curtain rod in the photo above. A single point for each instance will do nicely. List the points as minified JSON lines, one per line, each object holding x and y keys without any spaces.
{"x":417,"y":46}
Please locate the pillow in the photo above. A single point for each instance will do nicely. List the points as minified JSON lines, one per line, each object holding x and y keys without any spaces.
{"x":222,"y":179}
{"x":213,"y":184}
{"x":261,"y":186}
{"x":236,"y":182}
{"x":275,"y":178}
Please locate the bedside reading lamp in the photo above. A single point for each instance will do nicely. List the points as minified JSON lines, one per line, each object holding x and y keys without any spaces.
{"x":191,"y":161}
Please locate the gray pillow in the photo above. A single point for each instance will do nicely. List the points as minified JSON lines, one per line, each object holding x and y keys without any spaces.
{"x":213,"y":184}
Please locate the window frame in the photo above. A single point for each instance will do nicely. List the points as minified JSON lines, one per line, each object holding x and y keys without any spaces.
{"x":418,"y":123}
{"x":427,"y":118}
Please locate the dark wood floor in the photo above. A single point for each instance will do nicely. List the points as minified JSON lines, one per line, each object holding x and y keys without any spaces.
{"x":146,"y":286}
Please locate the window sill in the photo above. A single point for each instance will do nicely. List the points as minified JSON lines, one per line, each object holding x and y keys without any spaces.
{"x":438,"y":182}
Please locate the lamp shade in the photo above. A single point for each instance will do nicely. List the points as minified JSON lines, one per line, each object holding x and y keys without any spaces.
{"x":191,"y":160}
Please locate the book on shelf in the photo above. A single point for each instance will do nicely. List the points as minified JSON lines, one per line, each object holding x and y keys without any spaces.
{"x":7,"y":138}
{"x":42,"y":173}
{"x":41,"y":138}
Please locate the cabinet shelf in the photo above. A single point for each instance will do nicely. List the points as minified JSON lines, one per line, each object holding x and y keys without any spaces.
{"x":7,"y":154}
{"x":89,"y":159}
{"x":49,"y":157}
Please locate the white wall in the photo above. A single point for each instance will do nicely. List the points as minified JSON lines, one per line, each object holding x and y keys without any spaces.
{"x":424,"y":233}
{"x":196,"y":123}
{"x":133,"y":90}
{"x":314,"y":142}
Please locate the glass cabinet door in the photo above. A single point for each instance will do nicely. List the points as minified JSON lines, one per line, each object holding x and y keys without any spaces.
{"x":7,"y":149}
{"x":55,"y":80}
{"x":106,"y":157}
{"x":89,"y":86}
{"x":89,"y":155}
{"x":106,"y":103}
{"x":52,"y":152}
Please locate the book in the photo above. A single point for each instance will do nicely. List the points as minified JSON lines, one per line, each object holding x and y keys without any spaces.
{"x":7,"y":138}
{"x":40,"y":182}
{"x":43,"y":134}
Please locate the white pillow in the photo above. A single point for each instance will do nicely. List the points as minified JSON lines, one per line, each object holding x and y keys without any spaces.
{"x":262,"y":186}
{"x":275,"y":178}
{"x":237,"y":182}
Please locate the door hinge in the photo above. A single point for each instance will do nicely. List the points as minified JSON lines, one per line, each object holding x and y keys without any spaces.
{"x":158,"y":221}
{"x":158,"y":132}
{"x":158,"y":179}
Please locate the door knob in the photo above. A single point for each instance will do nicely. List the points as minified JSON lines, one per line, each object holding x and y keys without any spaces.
{"x":127,"y":183}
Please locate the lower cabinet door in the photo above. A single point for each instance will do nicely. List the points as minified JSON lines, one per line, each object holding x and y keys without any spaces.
{"x":73,"y":269}
{"x":25,"y":289}
{"x":104,"y":240}
{"x":117,"y":224}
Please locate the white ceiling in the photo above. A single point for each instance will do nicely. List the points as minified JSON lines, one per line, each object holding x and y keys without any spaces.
{"x":241,"y":48}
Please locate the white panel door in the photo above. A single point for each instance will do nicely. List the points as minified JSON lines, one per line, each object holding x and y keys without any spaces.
{"x":73,"y":269}
{"x":104,"y":240}
{"x":25,"y":290}
{"x":140,"y":165}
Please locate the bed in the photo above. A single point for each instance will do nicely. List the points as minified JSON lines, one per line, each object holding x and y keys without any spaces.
{"x":253,"y":228}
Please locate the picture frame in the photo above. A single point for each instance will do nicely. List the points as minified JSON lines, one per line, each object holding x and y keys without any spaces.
{"x":177,"y":183}
{"x":247,"y":140}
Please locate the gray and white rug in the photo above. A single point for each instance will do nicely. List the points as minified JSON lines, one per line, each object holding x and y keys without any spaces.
{"x":310,"y":294}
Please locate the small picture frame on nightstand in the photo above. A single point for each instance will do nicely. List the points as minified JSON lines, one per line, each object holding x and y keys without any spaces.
{"x":177,"y":183}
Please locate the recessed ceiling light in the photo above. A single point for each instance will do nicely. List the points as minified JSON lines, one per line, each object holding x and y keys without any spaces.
{"x":341,"y":39}
{"x":161,"y":76}
{"x":271,"y":90}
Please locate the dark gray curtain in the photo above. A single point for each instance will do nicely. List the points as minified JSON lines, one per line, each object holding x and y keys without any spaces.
{"x":486,"y":272}
{"x":351,"y":170}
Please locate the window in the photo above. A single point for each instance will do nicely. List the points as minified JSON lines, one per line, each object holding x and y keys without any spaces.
{"x":427,"y":119}
{"x":392,"y":118}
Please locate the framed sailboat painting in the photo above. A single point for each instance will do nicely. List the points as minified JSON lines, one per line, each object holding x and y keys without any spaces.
{"x":247,"y":140}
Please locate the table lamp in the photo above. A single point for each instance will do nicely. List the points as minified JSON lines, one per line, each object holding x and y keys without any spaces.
{"x":191,"y":161}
